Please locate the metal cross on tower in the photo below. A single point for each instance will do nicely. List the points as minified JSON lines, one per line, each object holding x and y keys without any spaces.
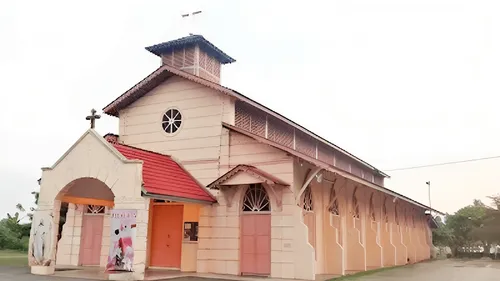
{"x":92,"y":117}
{"x":192,"y":15}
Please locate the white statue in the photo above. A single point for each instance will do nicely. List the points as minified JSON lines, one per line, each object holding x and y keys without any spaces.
{"x":41,"y":247}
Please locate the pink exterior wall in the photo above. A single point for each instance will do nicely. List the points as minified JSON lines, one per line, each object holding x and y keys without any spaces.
{"x":346,"y":244}
{"x":220,"y":236}
{"x":200,"y":142}
{"x":373,"y":225}
{"x":355,"y":254}
{"x":341,"y":244}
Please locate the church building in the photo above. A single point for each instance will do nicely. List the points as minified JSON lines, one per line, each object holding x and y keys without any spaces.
{"x":217,"y":184}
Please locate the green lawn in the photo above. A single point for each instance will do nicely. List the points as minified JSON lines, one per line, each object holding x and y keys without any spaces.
{"x":13,"y":258}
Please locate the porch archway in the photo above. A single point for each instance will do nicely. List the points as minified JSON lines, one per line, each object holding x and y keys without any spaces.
{"x":87,"y":191}
{"x":83,"y":203}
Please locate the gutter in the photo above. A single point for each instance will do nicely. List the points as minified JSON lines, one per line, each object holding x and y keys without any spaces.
{"x":146,"y":194}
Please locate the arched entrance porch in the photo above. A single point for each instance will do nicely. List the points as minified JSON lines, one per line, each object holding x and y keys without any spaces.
{"x":82,"y":238}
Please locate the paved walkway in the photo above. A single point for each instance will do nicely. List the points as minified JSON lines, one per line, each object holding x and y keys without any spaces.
{"x":449,"y":270}
{"x":23,"y":274}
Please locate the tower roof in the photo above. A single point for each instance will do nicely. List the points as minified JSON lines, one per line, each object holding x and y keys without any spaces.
{"x":191,"y":40}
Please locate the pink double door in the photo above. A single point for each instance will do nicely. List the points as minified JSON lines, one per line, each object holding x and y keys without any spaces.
{"x":91,"y":240}
{"x":256,"y":244}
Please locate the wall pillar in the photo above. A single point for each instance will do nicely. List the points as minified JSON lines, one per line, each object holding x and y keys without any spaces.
{"x":68,"y":247}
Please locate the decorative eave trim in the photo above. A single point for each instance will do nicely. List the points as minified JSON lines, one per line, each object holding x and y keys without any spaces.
{"x":327,"y":167}
{"x":166,"y":71}
{"x":101,"y":140}
{"x":253,"y":171}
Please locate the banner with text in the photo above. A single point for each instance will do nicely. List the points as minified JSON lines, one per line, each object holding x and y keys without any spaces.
{"x":123,"y":231}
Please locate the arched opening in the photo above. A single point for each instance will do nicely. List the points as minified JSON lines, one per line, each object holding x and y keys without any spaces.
{"x":87,"y":191}
{"x":83,"y":204}
{"x":256,"y":232}
{"x":256,"y":199}
{"x":384,"y":211}
{"x":333,"y":207}
{"x":372,"y":209}
{"x":355,"y":204}
{"x":333,"y":233}
{"x":307,"y":203}
{"x":396,"y":214}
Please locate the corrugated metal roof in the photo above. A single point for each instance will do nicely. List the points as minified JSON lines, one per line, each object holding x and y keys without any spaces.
{"x":165,"y":71}
{"x":329,"y":167}
{"x":204,"y":44}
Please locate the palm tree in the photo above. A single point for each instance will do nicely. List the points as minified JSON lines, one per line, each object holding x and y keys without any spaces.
{"x":36,"y":194}
{"x":15,"y":218}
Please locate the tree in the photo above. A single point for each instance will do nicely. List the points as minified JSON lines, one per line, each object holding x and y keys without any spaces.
{"x":12,"y":231}
{"x":442,"y":235}
{"x":496,"y":201}
{"x":489,"y":230}
{"x":462,"y":223}
{"x":478,"y":203}
{"x":36,"y":194}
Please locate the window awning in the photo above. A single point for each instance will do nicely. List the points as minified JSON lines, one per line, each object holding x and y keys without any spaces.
{"x":246,"y":174}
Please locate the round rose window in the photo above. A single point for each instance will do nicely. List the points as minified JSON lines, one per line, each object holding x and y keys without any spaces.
{"x":171,"y":121}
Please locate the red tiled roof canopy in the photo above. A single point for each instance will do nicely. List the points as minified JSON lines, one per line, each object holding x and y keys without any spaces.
{"x":162,"y":175}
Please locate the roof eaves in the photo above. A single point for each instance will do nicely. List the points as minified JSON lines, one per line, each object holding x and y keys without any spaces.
{"x":145,"y":193}
{"x":329,"y":167}
{"x":303,"y":129}
{"x":206,"y":45}
{"x":245,"y":168}
{"x":135,"y":91}
{"x":114,"y":107}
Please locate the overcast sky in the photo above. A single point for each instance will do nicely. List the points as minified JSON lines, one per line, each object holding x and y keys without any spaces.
{"x":397,"y":83}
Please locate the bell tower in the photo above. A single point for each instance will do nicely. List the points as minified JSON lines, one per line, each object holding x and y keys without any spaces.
{"x":193,"y":54}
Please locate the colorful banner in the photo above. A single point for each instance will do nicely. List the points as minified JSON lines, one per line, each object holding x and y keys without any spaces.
{"x":123,"y":231}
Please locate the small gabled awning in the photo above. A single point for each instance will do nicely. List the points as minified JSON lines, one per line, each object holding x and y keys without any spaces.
{"x":166,"y":179}
{"x":246,"y":174}
{"x":432,"y":221}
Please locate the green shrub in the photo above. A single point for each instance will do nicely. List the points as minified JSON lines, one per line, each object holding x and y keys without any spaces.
{"x":10,"y":239}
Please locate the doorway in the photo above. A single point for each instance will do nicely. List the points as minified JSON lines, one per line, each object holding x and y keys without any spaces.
{"x":91,"y":239}
{"x":256,"y":232}
{"x":166,"y":237}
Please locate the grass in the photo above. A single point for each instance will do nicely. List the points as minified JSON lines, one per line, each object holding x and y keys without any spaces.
{"x":13,"y":258}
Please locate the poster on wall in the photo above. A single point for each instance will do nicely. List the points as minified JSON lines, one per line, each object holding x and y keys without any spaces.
{"x":121,"y":249}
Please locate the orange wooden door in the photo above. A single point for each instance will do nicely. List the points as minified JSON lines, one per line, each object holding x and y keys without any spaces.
{"x":91,"y":240}
{"x":166,"y":237}
{"x":256,"y":244}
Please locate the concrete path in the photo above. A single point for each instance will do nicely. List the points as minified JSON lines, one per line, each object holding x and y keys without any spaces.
{"x":449,"y":270}
{"x":14,"y":273}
